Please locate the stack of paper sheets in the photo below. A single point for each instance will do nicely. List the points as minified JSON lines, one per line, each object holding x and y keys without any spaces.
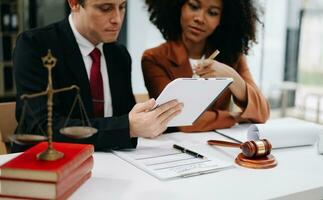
{"x":165,"y":162}
{"x":283,"y":132}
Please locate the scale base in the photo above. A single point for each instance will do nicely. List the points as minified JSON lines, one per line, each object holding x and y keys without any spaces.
{"x":50,"y":154}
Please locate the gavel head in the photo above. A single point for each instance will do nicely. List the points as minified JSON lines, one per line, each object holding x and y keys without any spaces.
{"x":252,"y":149}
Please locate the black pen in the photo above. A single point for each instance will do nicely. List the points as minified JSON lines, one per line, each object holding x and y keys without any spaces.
{"x":184,"y":150}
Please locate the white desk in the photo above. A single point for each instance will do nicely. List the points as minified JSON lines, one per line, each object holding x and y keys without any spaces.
{"x":298,"y":175}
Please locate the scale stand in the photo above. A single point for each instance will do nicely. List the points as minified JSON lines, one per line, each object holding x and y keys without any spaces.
{"x":50,"y":154}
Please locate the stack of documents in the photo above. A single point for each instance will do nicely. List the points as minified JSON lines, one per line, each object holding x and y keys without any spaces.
{"x":165,"y":162}
{"x":283,"y":132}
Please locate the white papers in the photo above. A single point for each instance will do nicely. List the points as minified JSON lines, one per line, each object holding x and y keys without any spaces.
{"x":237,"y":133}
{"x":284,"y":132}
{"x":287,"y":132}
{"x":165,"y":162}
{"x":195,"y":93}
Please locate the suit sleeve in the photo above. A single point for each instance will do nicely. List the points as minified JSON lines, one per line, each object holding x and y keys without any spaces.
{"x":256,"y":109}
{"x":31,"y":77}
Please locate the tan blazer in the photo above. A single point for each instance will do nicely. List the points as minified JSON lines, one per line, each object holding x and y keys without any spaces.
{"x":169,"y":61}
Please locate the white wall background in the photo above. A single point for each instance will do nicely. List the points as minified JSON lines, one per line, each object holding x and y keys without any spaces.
{"x":50,"y":11}
{"x":143,"y":35}
{"x":272,"y":71}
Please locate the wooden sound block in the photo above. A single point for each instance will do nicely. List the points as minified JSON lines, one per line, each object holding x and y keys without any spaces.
{"x":256,"y":163}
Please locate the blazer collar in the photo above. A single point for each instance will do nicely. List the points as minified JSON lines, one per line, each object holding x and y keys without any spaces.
{"x":74,"y":62}
{"x":177,"y":53}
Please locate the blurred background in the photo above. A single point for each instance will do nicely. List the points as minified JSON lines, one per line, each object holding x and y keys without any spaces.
{"x":286,"y":63}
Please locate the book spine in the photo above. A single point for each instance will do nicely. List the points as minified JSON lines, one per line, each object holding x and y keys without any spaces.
{"x":64,"y":196}
{"x":73,"y":178}
{"x":8,"y":78}
{"x":18,"y":169}
{"x":7,"y":48}
{"x":73,"y":164}
{"x":5,"y":17}
{"x":74,"y":171}
{"x":31,"y":189}
{"x":74,"y":187}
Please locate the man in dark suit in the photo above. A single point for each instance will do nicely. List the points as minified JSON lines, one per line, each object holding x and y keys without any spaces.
{"x":78,"y":42}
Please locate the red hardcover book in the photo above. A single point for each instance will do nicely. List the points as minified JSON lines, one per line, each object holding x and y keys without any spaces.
{"x":11,"y":188}
{"x":26,"y":166}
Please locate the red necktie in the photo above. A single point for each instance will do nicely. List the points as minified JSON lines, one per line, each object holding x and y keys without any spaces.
{"x":96,"y":84}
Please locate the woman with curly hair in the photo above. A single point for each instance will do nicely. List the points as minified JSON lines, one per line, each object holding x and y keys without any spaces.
{"x":193,"y":30}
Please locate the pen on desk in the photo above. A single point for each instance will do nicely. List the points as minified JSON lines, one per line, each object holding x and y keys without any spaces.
{"x":184,"y":150}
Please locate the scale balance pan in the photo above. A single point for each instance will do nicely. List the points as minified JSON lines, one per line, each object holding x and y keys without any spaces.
{"x":28,"y":138}
{"x":78,"y":132}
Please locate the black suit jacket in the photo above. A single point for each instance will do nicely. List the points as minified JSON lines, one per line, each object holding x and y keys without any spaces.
{"x":31,"y":77}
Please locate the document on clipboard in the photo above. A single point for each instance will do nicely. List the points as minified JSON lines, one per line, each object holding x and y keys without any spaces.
{"x":197,"y":94}
{"x":165,"y":162}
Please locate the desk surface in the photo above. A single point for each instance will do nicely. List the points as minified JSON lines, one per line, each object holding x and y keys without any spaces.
{"x":298,"y":175}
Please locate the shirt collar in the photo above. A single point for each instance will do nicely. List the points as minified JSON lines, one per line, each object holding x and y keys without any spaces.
{"x":85,"y":45}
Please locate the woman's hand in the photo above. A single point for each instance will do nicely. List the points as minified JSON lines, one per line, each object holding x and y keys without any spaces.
{"x":212,"y":68}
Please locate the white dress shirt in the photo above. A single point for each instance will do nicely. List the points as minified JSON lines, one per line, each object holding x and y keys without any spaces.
{"x":86,"y":48}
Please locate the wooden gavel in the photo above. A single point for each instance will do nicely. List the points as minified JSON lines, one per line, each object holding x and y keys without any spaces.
{"x":250,"y":149}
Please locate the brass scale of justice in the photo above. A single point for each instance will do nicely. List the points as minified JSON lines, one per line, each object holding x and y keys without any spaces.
{"x":50,"y":154}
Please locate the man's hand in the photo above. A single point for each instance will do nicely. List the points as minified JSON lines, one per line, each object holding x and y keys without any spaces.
{"x":145,"y":122}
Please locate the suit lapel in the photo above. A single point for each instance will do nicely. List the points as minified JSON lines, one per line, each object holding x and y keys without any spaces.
{"x":115,"y":79}
{"x":74,"y":61}
{"x":177,"y":54}
{"x":112,"y":74}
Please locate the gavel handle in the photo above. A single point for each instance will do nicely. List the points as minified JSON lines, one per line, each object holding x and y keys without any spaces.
{"x":223,"y":143}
